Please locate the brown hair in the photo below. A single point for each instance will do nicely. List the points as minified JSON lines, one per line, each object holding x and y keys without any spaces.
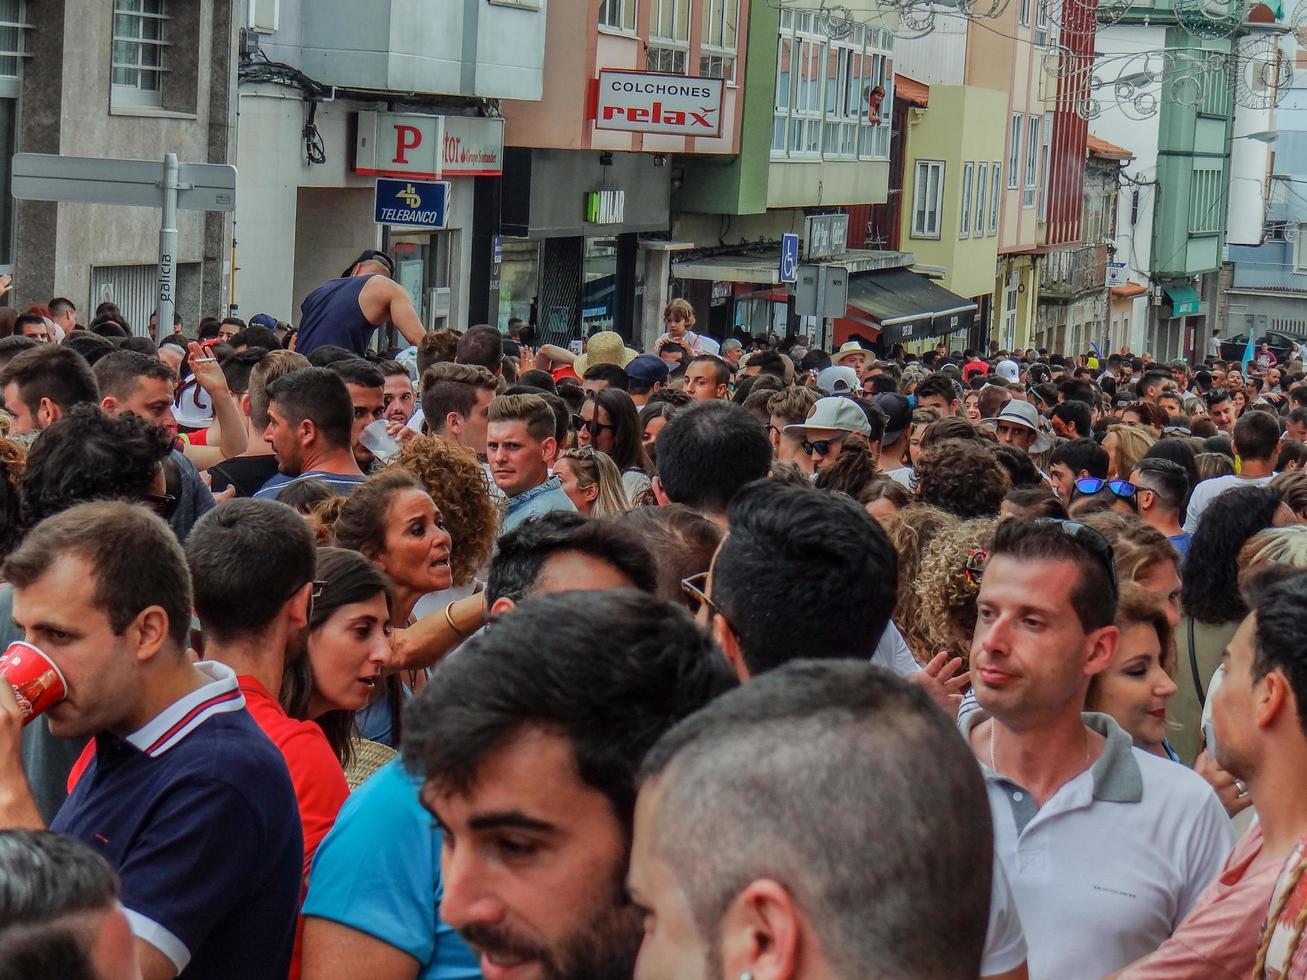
{"x":541,"y":422}
{"x":682,"y":307}
{"x":911,"y":531}
{"x":360,"y":523}
{"x":1137,"y":606}
{"x":682,"y":542}
{"x":1137,"y":546}
{"x":436,"y":347}
{"x":457,"y":483}
{"x":134,"y":558}
{"x":272,"y":365}
{"x":792,"y":405}
{"x":948,"y":585}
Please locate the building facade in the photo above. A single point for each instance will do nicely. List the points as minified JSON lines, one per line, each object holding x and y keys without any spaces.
{"x":131,"y":79}
{"x":1074,"y":302}
{"x":334,"y":95}
{"x":631,"y":91}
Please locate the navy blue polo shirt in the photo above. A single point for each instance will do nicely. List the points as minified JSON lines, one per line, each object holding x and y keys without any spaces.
{"x":197,"y":814}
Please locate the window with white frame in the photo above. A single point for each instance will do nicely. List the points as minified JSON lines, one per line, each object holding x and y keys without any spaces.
{"x":1045,"y":162}
{"x":1023,"y":11}
{"x":138,"y":51}
{"x":1009,"y":317}
{"x":927,"y":195}
{"x":717,"y":46}
{"x":982,"y":190}
{"x":833,"y":95}
{"x":1014,"y":152}
{"x":1032,"y":162}
{"x":1300,"y":253}
{"x":964,"y":219}
{"x":669,"y":36}
{"x":617,"y":15}
{"x":996,"y":180}
{"x":1041,"y":21}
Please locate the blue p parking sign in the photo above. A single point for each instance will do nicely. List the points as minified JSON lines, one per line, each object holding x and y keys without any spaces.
{"x":412,"y":203}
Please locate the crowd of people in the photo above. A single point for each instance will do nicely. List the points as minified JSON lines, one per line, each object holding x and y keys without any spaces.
{"x":729,"y":659}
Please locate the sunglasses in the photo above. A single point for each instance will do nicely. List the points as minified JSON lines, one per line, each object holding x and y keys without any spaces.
{"x":1092,"y":484}
{"x":822,"y":446}
{"x":693,"y":590}
{"x":594,"y":426}
{"x":1091,"y":540}
{"x":162,"y":504}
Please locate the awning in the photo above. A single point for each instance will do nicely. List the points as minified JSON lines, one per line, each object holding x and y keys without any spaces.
{"x":911,"y":91}
{"x":903,"y":303}
{"x":1184,"y":300}
{"x":1128,"y":290}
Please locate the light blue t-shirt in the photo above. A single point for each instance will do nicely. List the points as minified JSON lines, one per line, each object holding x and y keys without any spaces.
{"x":541,"y":499}
{"x":378,"y":871}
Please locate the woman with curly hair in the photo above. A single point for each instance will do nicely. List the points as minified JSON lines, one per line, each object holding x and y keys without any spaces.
{"x":393,"y":522}
{"x":1210,"y":598}
{"x":963,"y":477}
{"x":457,"y":484}
{"x":948,"y":582}
{"x":911,"y":531}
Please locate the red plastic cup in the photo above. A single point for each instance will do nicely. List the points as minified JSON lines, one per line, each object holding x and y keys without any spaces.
{"x":38,"y":684}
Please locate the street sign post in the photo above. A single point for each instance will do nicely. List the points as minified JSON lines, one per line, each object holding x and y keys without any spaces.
{"x":411,"y":203}
{"x":789,"y":268}
{"x":166,"y":185}
{"x":822,"y":291}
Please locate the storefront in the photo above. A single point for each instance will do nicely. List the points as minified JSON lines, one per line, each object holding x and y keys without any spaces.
{"x":322,"y":215}
{"x":568,"y":239}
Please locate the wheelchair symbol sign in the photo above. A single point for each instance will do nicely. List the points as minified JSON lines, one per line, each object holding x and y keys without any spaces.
{"x":789,"y":268}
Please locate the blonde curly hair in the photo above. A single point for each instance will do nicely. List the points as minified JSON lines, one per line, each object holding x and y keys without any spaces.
{"x":948,"y":586}
{"x":911,"y":531}
{"x":458,"y":485}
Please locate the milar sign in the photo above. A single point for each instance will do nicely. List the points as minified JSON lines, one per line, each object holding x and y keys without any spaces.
{"x":650,"y":102}
{"x":428,"y":147}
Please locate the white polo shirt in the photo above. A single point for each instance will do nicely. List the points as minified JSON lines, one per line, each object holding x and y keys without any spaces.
{"x":1106,"y":870}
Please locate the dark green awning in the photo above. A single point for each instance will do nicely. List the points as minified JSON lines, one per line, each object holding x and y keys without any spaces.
{"x":903,"y":299}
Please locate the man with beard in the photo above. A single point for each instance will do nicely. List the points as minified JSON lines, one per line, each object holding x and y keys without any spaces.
{"x":531,"y":775}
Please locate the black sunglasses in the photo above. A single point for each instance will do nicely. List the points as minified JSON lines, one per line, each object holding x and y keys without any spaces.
{"x":162,"y":504}
{"x":1092,"y":540}
{"x":822,"y":446}
{"x":594,"y":426}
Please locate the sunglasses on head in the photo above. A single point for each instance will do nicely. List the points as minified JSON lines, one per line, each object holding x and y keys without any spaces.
{"x":1092,"y":484}
{"x":1092,"y":540}
{"x":822,"y":446}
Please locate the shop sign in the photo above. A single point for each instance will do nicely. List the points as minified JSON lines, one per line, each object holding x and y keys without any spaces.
{"x":1116,"y":273}
{"x":651,"y":102}
{"x":825,"y":236}
{"x":411,"y":203}
{"x":605,"y":207}
{"x":472,"y":146}
{"x":403,"y":144}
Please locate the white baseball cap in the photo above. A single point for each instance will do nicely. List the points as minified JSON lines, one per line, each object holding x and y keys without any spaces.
{"x":1008,"y":370}
{"x":836,"y":413}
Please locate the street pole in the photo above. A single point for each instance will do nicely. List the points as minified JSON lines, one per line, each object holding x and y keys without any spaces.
{"x":168,"y":249}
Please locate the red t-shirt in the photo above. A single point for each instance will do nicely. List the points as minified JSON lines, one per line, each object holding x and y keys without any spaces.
{"x":319,"y":781}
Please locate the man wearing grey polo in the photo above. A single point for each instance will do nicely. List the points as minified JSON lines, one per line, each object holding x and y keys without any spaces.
{"x":1106,"y":847}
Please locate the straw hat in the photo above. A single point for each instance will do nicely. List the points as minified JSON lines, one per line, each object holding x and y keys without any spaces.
{"x":605,"y":347}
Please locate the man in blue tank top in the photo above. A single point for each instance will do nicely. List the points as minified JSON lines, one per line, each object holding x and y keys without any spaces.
{"x":345,"y":311}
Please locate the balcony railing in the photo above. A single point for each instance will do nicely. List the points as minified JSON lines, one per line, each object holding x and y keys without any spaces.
{"x":1069,"y":273}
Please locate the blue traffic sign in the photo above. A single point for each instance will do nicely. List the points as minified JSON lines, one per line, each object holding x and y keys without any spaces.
{"x":412,"y":203}
{"x":789,"y":269}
